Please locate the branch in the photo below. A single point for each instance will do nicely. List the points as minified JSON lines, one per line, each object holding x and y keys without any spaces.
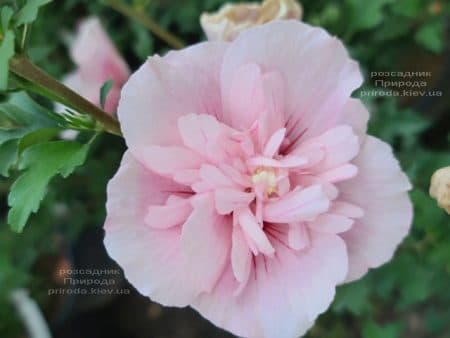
{"x":44,"y":84}
{"x":148,"y":22}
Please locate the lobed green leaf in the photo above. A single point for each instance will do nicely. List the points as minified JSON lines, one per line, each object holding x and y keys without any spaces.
{"x":28,"y":13}
{"x":41,"y":163}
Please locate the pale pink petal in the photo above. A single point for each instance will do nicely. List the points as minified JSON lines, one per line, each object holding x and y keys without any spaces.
{"x":245,"y":97}
{"x":198,"y":130}
{"x":297,"y":205}
{"x":240,"y":178}
{"x":228,"y":200}
{"x":312,"y":151}
{"x":305,"y":180}
{"x":215,"y":177}
{"x":205,"y":243}
{"x":355,"y":114}
{"x":205,"y":135}
{"x":95,"y":54}
{"x":253,"y":230}
{"x":274,"y":143}
{"x":168,"y":215}
{"x":339,"y":144}
{"x":163,"y":89}
{"x":186,"y":176}
{"x":88,"y":89}
{"x":240,"y":256}
{"x":289,"y":161}
{"x":284,"y":186}
{"x":318,"y":73}
{"x":272,"y":118}
{"x":347,"y":209}
{"x":112,"y":98}
{"x":170,"y":160}
{"x":284,"y":295}
{"x":338,"y":174}
{"x":331,"y":223}
{"x":381,"y":190}
{"x":298,"y":236}
{"x":98,"y":61}
{"x":151,"y":259}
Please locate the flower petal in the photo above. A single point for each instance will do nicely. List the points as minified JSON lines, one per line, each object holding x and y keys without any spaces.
{"x":314,"y":96}
{"x":339,"y":144}
{"x":289,"y":161}
{"x":254,"y":232}
{"x":355,"y":114}
{"x":96,"y":56}
{"x":205,"y":243}
{"x":284,"y":294}
{"x":331,"y":223}
{"x":298,"y":236}
{"x":274,"y":143}
{"x":272,"y":118}
{"x":170,"y":160}
{"x":380,"y":189}
{"x":151,"y":259}
{"x":168,"y":215}
{"x":342,"y":173}
{"x":297,"y":205}
{"x":245,"y":98}
{"x":163,"y":89}
{"x":240,"y":256}
{"x":228,"y":200}
{"x":205,"y":135}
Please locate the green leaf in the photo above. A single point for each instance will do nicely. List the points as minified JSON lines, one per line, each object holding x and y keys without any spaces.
{"x":5,"y":16}
{"x":6,"y":53}
{"x":373,"y":330}
{"x":12,"y":134}
{"x":8,"y":156}
{"x":23,"y":119}
{"x":34,"y":114}
{"x":42,"y":162}
{"x":393,"y":27}
{"x":104,"y":90}
{"x":364,"y":15}
{"x":431,"y":36}
{"x":353,"y":297}
{"x":37,"y":136}
{"x":28,"y":13}
{"x":142,"y":41}
{"x":409,"y":8}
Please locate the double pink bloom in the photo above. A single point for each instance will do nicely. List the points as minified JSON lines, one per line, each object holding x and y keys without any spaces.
{"x":97,"y":61}
{"x":250,"y":189}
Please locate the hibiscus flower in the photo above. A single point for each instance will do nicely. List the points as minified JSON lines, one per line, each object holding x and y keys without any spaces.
{"x":250,"y":189}
{"x":97,"y":61}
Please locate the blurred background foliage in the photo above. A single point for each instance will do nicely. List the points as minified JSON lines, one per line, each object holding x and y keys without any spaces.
{"x":408,"y":297}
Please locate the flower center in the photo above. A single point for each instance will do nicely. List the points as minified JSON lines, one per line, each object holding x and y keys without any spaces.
{"x":267,"y":178}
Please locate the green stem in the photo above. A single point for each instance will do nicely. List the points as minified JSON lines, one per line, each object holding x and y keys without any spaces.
{"x":44,"y":84}
{"x":146,"y":21}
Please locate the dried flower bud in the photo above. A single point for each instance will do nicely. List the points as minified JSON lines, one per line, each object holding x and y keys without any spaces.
{"x":231,"y":19}
{"x":440,"y":188}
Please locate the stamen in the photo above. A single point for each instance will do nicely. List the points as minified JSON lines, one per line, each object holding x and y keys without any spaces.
{"x":268,"y":177}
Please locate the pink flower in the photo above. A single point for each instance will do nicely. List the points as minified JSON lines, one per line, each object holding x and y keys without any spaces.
{"x":98,"y":61}
{"x":250,"y":188}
